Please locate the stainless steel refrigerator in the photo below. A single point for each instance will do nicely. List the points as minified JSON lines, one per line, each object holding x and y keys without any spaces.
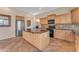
{"x":20,"y":27}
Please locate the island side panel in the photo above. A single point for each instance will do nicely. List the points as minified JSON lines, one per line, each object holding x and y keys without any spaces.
{"x":39,"y":40}
{"x":44,"y":40}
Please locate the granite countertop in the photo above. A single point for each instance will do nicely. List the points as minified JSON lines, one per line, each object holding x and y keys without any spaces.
{"x":36,"y":31}
{"x":64,"y":29}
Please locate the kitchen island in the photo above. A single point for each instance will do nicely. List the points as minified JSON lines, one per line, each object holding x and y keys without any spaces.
{"x":39,"y":39}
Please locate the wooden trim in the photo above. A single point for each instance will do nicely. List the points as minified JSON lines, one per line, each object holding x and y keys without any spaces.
{"x":5,"y":15}
{"x":64,"y":14}
{"x":20,"y":18}
{"x":51,"y":15}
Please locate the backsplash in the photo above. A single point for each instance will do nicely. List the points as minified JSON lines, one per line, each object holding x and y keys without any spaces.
{"x":63,"y":26}
{"x":68,"y":26}
{"x":44,"y":27}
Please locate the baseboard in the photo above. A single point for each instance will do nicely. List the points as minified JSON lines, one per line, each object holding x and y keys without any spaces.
{"x":7,"y":38}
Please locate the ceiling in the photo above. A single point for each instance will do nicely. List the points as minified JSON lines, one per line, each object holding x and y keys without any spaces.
{"x":33,"y":10}
{"x":41,"y":10}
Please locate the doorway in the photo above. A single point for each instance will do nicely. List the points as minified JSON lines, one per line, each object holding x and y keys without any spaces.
{"x":20,"y":27}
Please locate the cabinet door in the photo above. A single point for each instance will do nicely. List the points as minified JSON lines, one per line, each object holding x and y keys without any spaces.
{"x":77,"y":42}
{"x":58,"y":20}
{"x":60,"y":34}
{"x":64,"y":35}
{"x":68,"y":18}
{"x":41,"y":21}
{"x":69,"y":36}
{"x":52,"y":16}
{"x":63,"y":19}
{"x":75,"y":15}
{"x":44,"y":20}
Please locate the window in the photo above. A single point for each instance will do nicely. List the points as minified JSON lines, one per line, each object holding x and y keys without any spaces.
{"x":5,"y":20}
{"x":1,"y":22}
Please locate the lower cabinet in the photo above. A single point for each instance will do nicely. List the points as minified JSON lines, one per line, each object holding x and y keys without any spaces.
{"x":77,"y":43}
{"x":70,"y":36}
{"x":60,"y":34}
{"x":64,"y":35}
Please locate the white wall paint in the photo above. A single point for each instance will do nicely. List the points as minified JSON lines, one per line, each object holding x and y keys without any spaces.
{"x":8,"y":32}
{"x":33,"y":22}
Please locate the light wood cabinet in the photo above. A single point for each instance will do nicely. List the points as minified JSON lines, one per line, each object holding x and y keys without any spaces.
{"x":20,"y":18}
{"x":43,"y":20}
{"x":60,"y":34}
{"x":77,"y":43}
{"x":58,"y":19}
{"x":51,"y":17}
{"x":64,"y":35}
{"x":75,"y":15}
{"x":70,"y":36}
{"x":64,"y":18}
{"x":38,"y":39}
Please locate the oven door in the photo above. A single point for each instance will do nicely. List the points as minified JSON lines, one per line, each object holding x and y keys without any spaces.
{"x":51,"y":33}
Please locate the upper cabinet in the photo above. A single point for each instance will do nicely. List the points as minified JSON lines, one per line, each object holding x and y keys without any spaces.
{"x":51,"y":17}
{"x":75,"y":15}
{"x":58,"y":19}
{"x":43,"y":20}
{"x":63,"y":18}
{"x":20,"y":18}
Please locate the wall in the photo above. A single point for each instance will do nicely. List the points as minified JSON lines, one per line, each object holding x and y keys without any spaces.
{"x":8,"y":32}
{"x":33,"y":22}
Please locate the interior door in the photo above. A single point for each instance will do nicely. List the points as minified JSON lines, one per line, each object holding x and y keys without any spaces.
{"x":20,"y":27}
